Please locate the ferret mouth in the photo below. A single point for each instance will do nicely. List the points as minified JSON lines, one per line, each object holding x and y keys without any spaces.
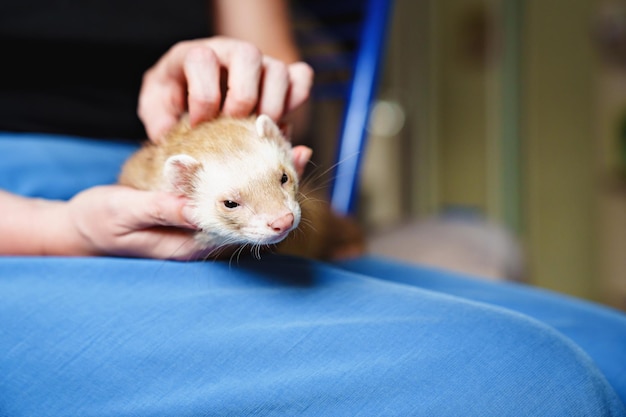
{"x":269,"y":240}
{"x":277,"y":238}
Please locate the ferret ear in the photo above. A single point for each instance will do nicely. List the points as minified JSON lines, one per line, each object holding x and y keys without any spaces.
{"x":265,"y":127}
{"x":301,"y":155}
{"x":179,"y":172}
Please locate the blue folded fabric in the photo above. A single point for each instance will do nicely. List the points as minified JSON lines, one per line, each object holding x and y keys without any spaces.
{"x":280,"y":336}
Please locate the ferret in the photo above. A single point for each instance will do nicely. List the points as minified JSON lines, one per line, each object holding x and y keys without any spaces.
{"x":242,"y":178}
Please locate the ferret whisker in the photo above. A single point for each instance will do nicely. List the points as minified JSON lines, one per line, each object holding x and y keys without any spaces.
{"x":309,"y":198}
{"x":186,"y":258}
{"x":236,"y":255}
{"x":215,"y":253}
{"x":255,"y":249}
{"x":271,"y":248}
{"x":315,"y":185}
{"x":314,"y":175}
{"x":307,"y":224}
{"x":317,"y":173}
{"x":316,"y":188}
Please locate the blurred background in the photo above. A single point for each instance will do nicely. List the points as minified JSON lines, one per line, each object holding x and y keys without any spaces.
{"x":498,"y":142}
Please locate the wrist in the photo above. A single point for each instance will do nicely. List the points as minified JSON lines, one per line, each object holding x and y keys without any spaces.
{"x":59,"y":233}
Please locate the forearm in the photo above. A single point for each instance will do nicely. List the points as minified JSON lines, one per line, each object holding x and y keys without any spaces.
{"x":265,"y":23}
{"x":31,"y":226}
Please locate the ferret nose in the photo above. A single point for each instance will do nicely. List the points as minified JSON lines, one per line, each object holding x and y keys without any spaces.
{"x":282,"y":223}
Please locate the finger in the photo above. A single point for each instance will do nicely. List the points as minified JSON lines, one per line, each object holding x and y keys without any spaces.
{"x":161,"y":102}
{"x":274,"y":87}
{"x":153,"y":208}
{"x":202,"y":72}
{"x":301,"y":80}
{"x":160,"y":106}
{"x":162,"y":98}
{"x":164,"y":243}
{"x":244,"y":65}
{"x":301,"y":155}
{"x":170,"y":210}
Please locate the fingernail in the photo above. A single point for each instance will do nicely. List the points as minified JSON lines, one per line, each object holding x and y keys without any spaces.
{"x":188,"y":215}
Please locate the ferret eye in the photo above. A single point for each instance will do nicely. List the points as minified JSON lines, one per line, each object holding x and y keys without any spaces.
{"x":284,"y":178}
{"x":231,"y":204}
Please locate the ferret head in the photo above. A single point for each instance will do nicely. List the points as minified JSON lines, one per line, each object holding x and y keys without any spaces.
{"x":246,"y":191}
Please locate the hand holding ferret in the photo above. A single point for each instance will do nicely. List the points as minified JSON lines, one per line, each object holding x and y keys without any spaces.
{"x":121,"y":221}
{"x":207,"y":76}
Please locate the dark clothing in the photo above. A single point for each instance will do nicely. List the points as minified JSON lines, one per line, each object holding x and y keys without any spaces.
{"x":75,"y":67}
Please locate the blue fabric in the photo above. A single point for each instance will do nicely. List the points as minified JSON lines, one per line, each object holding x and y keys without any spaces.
{"x":57,"y":167}
{"x":281,"y":336}
{"x":600,"y":331}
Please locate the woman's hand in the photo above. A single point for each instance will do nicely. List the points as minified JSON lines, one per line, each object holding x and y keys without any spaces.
{"x":121,"y":221}
{"x":205,"y":76}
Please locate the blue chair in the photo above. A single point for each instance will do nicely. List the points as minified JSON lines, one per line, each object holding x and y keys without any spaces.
{"x":344,"y":43}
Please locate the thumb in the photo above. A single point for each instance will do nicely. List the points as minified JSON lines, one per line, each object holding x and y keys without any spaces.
{"x":301,"y":155}
{"x":157,"y":208}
